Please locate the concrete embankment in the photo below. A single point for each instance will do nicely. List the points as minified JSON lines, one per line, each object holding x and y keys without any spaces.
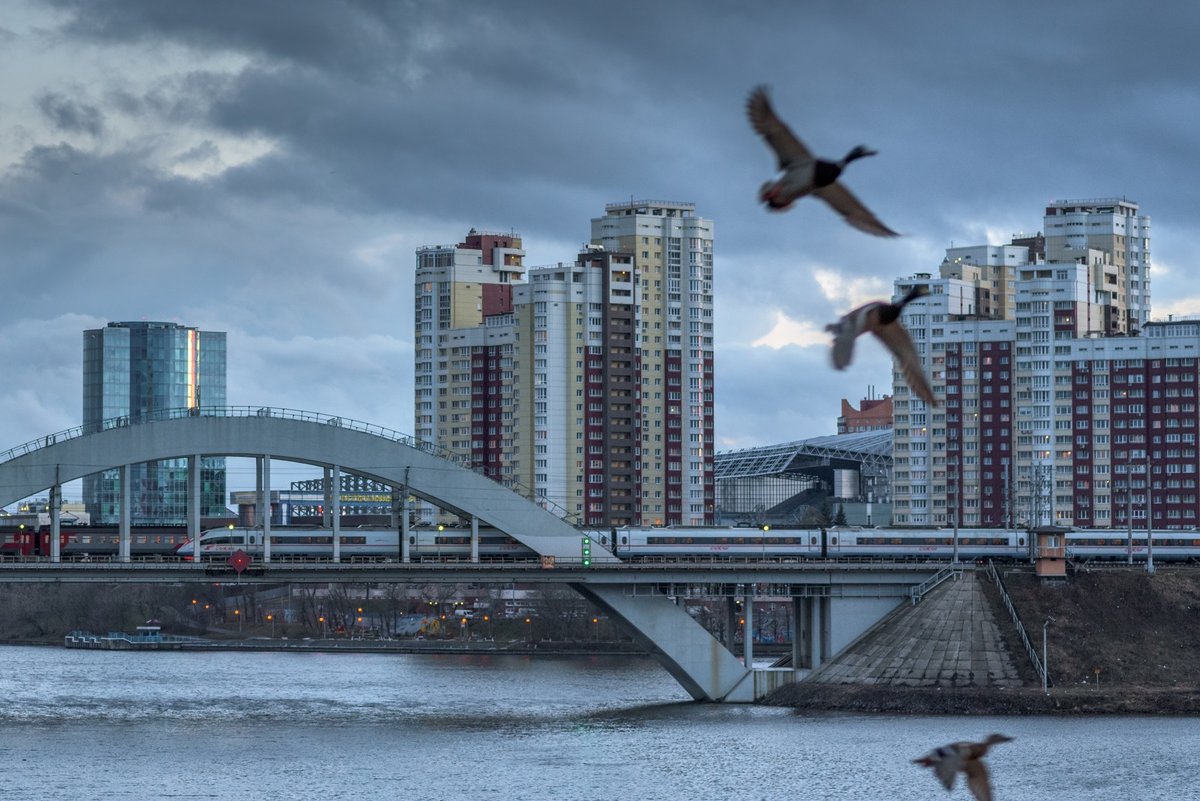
{"x":1119,"y":642}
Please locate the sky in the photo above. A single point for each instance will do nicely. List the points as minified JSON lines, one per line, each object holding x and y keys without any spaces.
{"x":269,"y":168}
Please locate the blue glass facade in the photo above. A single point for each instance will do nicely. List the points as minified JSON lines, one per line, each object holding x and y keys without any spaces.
{"x":138,"y":368}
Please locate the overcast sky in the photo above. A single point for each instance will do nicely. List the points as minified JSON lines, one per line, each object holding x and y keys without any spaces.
{"x":268,"y":169}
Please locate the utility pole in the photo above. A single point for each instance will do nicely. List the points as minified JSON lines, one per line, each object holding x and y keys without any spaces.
{"x":1045,"y":658}
{"x":954,"y":511}
{"x":1149,"y":519}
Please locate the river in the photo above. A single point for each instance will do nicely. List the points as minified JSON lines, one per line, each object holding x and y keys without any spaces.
{"x":249,"y":726}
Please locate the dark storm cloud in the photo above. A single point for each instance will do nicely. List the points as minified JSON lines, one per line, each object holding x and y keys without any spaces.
{"x":70,"y":115}
{"x":381,"y":127}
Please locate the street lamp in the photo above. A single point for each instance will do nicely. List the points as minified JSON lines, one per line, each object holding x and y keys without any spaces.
{"x":324,"y":629}
{"x":1045,"y":662}
{"x":271,"y":618}
{"x":238,"y":614}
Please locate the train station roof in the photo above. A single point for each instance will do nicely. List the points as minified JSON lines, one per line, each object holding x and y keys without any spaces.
{"x":868,"y":448}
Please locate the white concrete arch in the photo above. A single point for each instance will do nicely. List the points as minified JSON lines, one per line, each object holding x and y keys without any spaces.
{"x":292,"y":436}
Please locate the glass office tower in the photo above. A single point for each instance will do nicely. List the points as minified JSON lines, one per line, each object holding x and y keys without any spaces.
{"x":133,"y":370}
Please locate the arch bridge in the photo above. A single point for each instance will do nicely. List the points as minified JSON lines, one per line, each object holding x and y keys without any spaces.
{"x":645,"y":605}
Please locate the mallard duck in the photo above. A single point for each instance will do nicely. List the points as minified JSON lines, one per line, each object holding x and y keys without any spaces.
{"x":966,"y":757}
{"x":883,"y":320}
{"x":805,"y":175}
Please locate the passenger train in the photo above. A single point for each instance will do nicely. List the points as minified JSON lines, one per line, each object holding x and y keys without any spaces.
{"x":682,"y":542}
{"x":90,"y":541}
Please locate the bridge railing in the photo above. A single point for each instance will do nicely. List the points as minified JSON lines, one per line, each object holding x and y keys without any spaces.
{"x":1030,"y":650}
{"x":160,"y":415}
{"x":918,"y":592}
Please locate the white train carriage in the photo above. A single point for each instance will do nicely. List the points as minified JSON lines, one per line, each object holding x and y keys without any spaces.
{"x":937,"y":543}
{"x":1114,"y":545}
{"x":709,"y":541}
{"x":362,"y":543}
{"x":834,"y":542}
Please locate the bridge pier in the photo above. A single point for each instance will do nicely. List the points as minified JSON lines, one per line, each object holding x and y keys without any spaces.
{"x":193,"y":497}
{"x":405,"y":554}
{"x":124,"y":535}
{"x":55,"y":524}
{"x":474,"y":540}
{"x":699,"y":662}
{"x":811,"y":631}
{"x":263,"y":480}
{"x":731,"y":620}
{"x":335,"y":510}
{"x":748,"y":626}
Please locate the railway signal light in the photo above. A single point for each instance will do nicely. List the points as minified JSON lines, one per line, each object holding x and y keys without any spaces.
{"x":587,"y":551}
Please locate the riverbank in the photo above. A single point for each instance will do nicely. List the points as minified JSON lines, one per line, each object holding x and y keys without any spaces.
{"x":889,"y":700}
{"x":343,"y":645}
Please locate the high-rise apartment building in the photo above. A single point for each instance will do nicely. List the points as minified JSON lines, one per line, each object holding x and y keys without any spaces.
{"x":589,"y":382}
{"x":579,"y":440}
{"x":130,"y":371}
{"x":464,"y":347}
{"x":673,"y":255}
{"x":1049,"y":418}
{"x":1110,"y":237}
{"x":953,"y":459}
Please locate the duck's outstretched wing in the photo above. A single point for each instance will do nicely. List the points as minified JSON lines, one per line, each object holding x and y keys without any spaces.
{"x":896,"y":339}
{"x":787,"y":146}
{"x":843,"y":201}
{"x":945,"y":766}
{"x":977,"y":780}
{"x":845,"y":332}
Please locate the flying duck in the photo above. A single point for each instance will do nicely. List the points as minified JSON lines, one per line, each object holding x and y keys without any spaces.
{"x":883,"y":320}
{"x":805,"y":175}
{"x":966,"y":757}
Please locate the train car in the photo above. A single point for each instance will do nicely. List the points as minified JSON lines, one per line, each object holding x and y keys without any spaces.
{"x":834,"y":542}
{"x":715,"y":541}
{"x":363,"y":543}
{"x":80,"y":542}
{"x":972,"y":544}
{"x":1114,"y":545}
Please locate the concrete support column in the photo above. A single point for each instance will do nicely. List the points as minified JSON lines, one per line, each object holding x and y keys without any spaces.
{"x":327,"y":506}
{"x":404,"y":548}
{"x":55,"y":524}
{"x":193,"y":498}
{"x":731,"y":619}
{"x":266,"y":521}
{"x":800,"y":643}
{"x":335,"y":511}
{"x":818,"y":621}
{"x":474,"y":540}
{"x":394,"y":508}
{"x":124,"y":534}
{"x":824,"y":613}
{"x":748,"y":628}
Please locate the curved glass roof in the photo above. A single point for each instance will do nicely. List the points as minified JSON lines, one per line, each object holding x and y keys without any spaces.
{"x":873,"y":448}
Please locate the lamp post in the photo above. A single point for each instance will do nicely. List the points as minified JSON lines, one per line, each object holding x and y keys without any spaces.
{"x":1045,"y":662}
{"x":271,"y":618}
{"x":1149,"y":518}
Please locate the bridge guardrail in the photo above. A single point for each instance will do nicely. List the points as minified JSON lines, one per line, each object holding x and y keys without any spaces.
{"x":994,"y":575}
{"x":160,"y":415}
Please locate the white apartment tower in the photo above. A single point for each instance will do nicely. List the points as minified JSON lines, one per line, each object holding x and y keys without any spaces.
{"x":1120,"y":268}
{"x":672,"y":250}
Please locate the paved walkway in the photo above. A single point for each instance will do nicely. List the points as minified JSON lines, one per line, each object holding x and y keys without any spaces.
{"x":950,"y":639}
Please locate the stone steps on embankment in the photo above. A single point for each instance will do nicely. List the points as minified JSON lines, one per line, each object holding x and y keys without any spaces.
{"x":949,"y":639}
